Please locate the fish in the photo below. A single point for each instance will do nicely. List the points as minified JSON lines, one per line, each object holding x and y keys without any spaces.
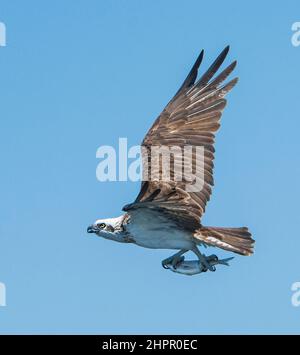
{"x":193,"y":267}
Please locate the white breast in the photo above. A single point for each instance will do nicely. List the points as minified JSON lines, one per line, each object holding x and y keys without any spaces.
{"x":151,"y":229}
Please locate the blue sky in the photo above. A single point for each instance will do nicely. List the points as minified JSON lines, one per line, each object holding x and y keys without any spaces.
{"x":77,"y":75}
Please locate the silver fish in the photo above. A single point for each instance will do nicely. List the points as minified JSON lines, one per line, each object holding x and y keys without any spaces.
{"x":193,"y":267}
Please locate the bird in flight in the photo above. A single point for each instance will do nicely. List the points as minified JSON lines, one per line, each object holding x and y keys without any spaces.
{"x":167,"y":213}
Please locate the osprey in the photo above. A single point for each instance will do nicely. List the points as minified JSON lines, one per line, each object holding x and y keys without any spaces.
{"x":166,"y":214}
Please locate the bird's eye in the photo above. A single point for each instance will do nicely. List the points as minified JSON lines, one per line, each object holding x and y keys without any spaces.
{"x":101,"y":225}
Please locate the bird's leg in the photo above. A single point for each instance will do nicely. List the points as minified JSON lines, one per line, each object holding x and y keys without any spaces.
{"x":203,"y":260}
{"x":174,"y":259}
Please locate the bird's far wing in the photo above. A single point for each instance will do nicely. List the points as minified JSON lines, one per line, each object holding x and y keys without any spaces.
{"x":191,"y":118}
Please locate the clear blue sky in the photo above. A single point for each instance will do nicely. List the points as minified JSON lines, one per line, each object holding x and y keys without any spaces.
{"x":76,"y":75}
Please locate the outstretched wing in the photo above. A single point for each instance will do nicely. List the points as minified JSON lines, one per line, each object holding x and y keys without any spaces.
{"x":191,"y":118}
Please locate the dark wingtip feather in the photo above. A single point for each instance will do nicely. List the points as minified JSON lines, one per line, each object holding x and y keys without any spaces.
{"x":225,"y":50}
{"x":192,"y":76}
{"x":222,"y":76}
{"x":190,"y":80}
{"x":227,"y":87}
{"x":213,"y":68}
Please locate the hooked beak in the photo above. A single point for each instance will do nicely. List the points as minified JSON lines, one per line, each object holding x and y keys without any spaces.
{"x":91,"y":229}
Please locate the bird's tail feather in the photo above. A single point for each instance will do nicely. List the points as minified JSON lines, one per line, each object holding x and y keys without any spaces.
{"x":237,"y":240}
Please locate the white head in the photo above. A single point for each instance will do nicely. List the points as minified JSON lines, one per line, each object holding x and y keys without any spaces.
{"x":110,"y":228}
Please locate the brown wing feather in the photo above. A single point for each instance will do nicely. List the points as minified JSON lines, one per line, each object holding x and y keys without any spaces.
{"x":191,"y":118}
